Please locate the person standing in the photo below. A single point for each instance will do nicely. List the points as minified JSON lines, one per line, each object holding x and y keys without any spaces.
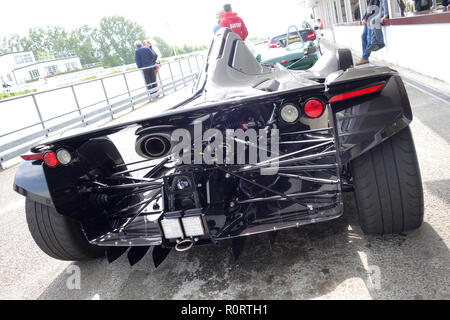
{"x":144,"y":58}
{"x":148,"y":44}
{"x":377,"y":41}
{"x":234,"y":22}
{"x":402,"y":6}
{"x":319,"y":24}
{"x":366,"y":37}
{"x":365,"y":40}
{"x":219,"y":17}
{"x":6,"y":87}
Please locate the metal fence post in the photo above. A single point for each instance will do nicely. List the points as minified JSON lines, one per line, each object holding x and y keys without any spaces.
{"x":189,"y":63}
{"x":107,"y":99}
{"x":196,"y":61}
{"x":128,"y":90}
{"x":171,"y":75}
{"x":76,"y":102}
{"x":182,"y":74}
{"x":160,"y":83}
{"x":39,"y":114}
{"x":149,"y":91}
{"x":190,"y":68}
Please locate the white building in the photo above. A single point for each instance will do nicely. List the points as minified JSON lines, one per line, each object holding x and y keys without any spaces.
{"x":418,"y":40}
{"x":16,"y":68}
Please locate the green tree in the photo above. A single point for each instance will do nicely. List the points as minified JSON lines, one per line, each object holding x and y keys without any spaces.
{"x":13,"y":43}
{"x":82,"y":42}
{"x":46,"y":42}
{"x":57,"y":41}
{"x":116,"y":37}
{"x":112,"y":43}
{"x":35,"y":41}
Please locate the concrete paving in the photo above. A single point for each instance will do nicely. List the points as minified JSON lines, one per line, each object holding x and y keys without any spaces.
{"x":332,"y":260}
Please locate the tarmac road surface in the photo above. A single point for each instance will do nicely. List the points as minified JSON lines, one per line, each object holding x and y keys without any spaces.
{"x":332,"y":260}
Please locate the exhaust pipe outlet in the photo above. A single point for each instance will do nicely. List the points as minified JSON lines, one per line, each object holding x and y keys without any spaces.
{"x":184,"y":245}
{"x":153,"y":146}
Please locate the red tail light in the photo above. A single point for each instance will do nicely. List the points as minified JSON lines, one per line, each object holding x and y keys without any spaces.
{"x":356,"y":93}
{"x":313,"y":108}
{"x":272,"y":44}
{"x":50,"y":159}
{"x":31,"y":157}
{"x":311,"y":36}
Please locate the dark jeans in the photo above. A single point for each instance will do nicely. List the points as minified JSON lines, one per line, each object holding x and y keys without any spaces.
{"x":366,"y":37}
{"x":150,"y":79}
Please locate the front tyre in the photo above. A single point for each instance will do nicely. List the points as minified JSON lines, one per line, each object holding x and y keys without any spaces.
{"x":58,"y":236}
{"x":388,"y":186}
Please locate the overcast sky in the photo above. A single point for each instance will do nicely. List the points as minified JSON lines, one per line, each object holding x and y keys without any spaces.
{"x":177,"y":21}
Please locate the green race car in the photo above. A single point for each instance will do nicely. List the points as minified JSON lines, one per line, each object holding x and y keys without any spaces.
{"x":291,"y":50}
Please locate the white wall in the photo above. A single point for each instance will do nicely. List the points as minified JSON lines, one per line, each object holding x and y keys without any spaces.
{"x":423,"y":48}
{"x":6,"y":65}
{"x":23,"y":74}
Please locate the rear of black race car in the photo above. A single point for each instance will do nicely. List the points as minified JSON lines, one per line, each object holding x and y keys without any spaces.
{"x":229,"y":169}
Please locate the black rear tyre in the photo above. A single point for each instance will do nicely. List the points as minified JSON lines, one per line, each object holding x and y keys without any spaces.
{"x":388,"y":186}
{"x":58,"y":236}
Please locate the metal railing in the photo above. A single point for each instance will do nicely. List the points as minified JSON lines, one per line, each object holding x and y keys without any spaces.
{"x":41,"y":114}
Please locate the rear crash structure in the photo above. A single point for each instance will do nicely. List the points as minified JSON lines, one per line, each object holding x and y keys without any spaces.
{"x":255,"y":149}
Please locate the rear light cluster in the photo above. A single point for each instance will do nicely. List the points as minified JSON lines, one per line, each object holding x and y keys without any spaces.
{"x":272,"y":44}
{"x":50,"y":158}
{"x":64,"y":157}
{"x":312,"y":108}
{"x":31,"y":157}
{"x":311,"y":36}
{"x":289,"y":113}
{"x":356,"y":93}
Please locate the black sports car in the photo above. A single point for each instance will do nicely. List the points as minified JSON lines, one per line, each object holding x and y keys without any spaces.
{"x":255,"y":149}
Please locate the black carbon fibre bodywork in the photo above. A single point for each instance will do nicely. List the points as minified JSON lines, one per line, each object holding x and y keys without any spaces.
{"x":122,"y":203}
